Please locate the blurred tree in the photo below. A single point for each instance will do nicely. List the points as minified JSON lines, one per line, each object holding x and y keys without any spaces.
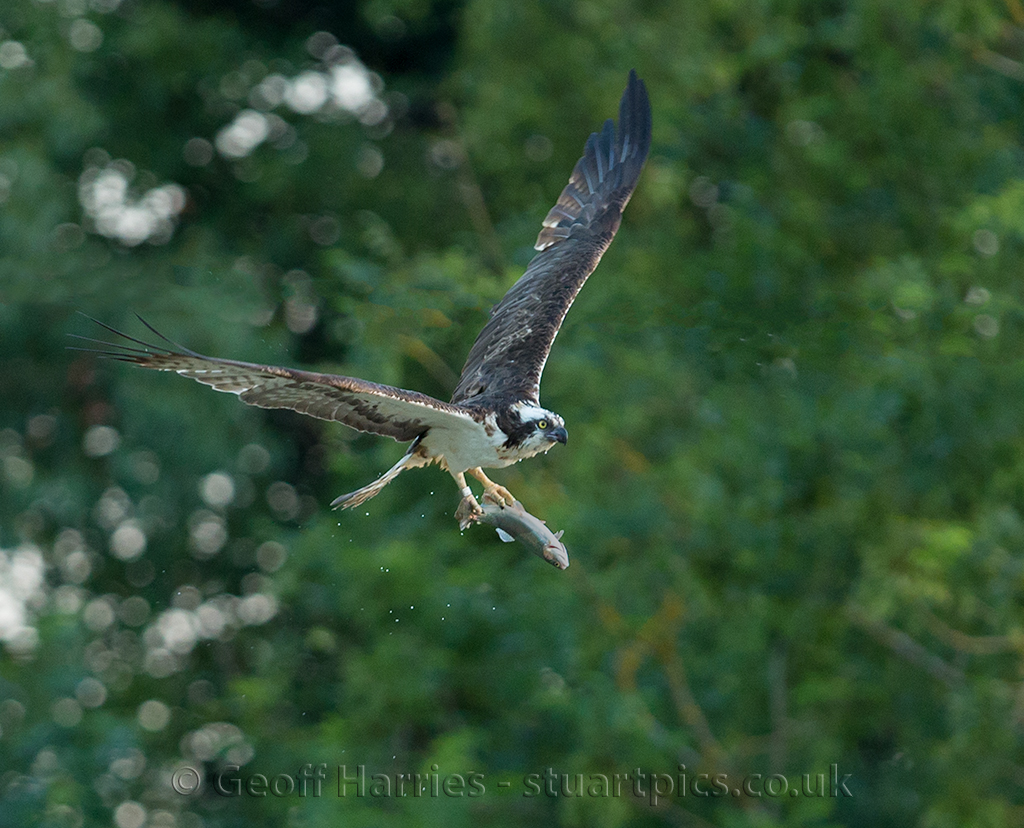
{"x":793,"y":498}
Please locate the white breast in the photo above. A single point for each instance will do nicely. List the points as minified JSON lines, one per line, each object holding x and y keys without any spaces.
{"x":468,"y":444}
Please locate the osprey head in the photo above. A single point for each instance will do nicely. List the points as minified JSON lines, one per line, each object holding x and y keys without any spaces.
{"x":538,"y":429}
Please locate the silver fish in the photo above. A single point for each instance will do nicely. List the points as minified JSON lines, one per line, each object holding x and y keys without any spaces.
{"x":515,"y":523}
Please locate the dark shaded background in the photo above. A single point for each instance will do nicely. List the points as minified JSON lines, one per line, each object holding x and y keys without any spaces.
{"x":793,"y":495}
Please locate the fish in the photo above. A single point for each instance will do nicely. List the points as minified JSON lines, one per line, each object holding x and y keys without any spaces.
{"x":514,"y":523}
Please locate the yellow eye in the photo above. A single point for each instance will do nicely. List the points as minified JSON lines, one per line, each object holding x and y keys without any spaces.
{"x":542,"y":425}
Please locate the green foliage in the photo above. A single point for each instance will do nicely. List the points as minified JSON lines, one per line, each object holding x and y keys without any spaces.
{"x":793,"y":495}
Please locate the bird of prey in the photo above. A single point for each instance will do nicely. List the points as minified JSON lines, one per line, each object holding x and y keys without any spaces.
{"x":495,"y":417}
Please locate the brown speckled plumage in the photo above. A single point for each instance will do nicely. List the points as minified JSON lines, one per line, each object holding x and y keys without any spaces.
{"x":494,"y":418}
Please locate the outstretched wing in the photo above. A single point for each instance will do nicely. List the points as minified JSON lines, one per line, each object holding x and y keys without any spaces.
{"x":366,"y":406}
{"x":509,"y":354}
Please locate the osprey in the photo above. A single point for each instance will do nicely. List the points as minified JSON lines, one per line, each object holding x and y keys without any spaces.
{"x":495,"y":417}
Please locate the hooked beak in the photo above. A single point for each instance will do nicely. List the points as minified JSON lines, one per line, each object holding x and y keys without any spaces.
{"x":558,"y":435}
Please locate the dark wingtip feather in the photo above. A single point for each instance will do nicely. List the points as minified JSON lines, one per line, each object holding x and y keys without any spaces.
{"x":124,"y":349}
{"x":573,"y":235}
{"x":127,"y":353}
{"x":608,"y":171}
{"x":155,"y":331}
{"x":181,"y":348}
{"x":635,"y":118}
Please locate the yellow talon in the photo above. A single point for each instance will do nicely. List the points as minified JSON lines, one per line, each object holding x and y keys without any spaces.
{"x":468,"y":512}
{"x":498,"y":494}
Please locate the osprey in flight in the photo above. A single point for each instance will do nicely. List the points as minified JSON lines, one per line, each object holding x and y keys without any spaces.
{"x":495,"y":417}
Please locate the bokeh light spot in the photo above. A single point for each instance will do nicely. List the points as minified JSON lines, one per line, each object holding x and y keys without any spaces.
{"x":13,"y":55}
{"x":128,"y":541}
{"x":84,"y":35}
{"x":217,"y":489}
{"x":90,"y":692}
{"x":66,"y":712}
{"x":129,"y":815}
{"x":100,"y":440}
{"x":153,"y":715}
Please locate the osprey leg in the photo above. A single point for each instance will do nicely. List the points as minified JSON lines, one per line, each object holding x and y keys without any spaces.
{"x":469,"y":510}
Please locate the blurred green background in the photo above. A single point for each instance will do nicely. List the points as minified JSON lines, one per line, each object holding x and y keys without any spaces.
{"x":794,"y":492}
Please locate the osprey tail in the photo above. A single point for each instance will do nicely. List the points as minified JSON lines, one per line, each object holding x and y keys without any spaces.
{"x":409,"y":461}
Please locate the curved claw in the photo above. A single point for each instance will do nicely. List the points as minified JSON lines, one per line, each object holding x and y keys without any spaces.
{"x":469,"y":512}
{"x":498,"y":495}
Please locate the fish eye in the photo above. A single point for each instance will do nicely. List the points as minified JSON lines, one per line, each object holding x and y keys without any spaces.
{"x":542,"y":425}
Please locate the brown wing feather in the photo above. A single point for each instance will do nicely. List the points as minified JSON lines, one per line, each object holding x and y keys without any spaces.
{"x":365,"y":406}
{"x":509,"y":354}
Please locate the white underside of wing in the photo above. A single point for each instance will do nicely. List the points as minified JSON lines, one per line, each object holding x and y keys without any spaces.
{"x":321,"y":401}
{"x":344,"y":399}
{"x":452,"y":434}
